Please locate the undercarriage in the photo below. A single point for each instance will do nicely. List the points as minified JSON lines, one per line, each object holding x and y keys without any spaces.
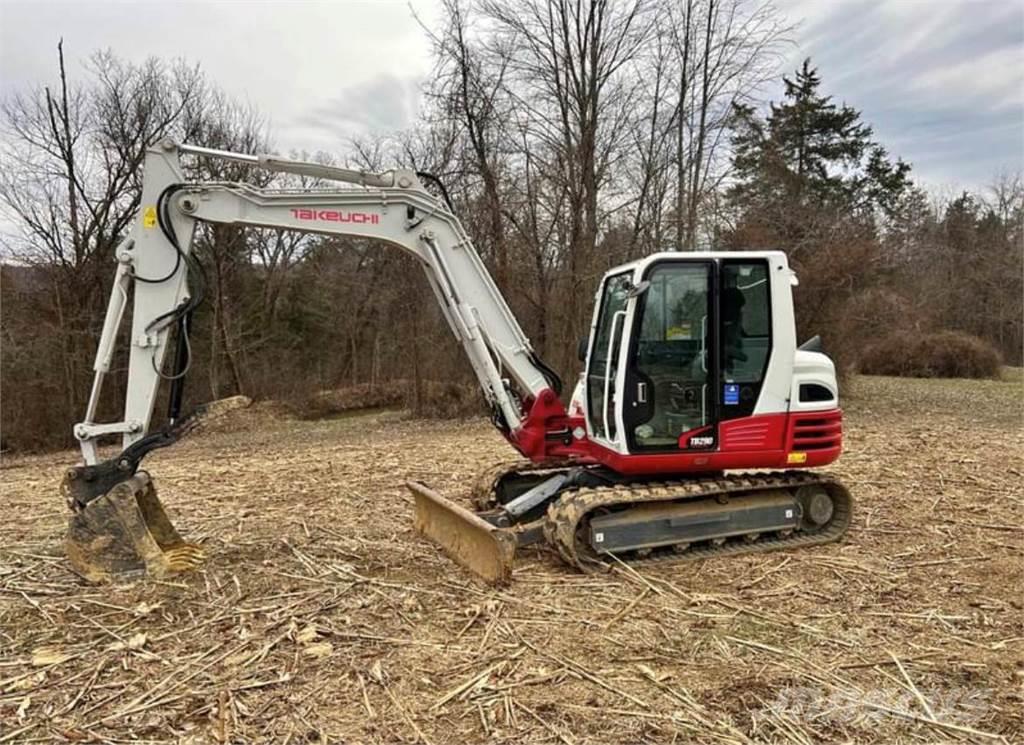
{"x":594,"y":518}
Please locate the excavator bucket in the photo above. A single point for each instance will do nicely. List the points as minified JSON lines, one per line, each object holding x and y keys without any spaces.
{"x":126,"y":533}
{"x":486,"y":550}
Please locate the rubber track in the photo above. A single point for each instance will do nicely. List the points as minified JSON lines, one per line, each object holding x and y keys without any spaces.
{"x":566,"y":520}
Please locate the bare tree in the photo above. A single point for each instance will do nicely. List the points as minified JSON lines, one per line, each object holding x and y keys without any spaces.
{"x":724,"y":52}
{"x":469,"y":91}
{"x":221,"y":123}
{"x":70,"y":182}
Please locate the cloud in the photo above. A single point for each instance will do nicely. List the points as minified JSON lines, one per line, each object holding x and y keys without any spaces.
{"x":320,"y":70}
{"x":942,"y":83}
{"x":383,"y":103}
{"x":994,"y":80}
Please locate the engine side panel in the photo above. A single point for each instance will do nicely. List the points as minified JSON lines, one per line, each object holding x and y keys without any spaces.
{"x":790,"y":440}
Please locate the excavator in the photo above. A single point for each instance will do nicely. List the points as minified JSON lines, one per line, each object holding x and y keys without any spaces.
{"x":689,"y":435}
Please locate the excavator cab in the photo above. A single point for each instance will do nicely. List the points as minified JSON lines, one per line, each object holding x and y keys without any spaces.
{"x":680,"y":343}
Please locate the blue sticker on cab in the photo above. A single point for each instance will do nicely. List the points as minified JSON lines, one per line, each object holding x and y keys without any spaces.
{"x":731,"y":395}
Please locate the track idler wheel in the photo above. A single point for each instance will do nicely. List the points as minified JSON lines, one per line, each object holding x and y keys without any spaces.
{"x":817,"y":504}
{"x":126,"y":533}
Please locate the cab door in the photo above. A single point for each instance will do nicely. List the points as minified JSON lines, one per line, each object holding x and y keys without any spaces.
{"x":604,"y":356}
{"x":745,"y":334}
{"x":669,"y":393}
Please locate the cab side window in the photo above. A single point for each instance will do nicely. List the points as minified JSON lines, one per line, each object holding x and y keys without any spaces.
{"x":746,"y":338}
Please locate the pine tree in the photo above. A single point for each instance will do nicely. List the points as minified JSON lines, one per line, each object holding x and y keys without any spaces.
{"x":808,"y":156}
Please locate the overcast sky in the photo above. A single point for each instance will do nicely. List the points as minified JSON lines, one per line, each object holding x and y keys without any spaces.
{"x":941,"y":81}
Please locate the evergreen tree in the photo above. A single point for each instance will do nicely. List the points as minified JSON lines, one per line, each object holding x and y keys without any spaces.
{"x":809,"y":156}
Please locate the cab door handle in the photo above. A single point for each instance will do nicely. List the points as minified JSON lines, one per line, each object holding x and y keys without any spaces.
{"x":641,"y":392}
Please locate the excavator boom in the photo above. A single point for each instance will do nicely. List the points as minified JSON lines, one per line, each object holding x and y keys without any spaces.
{"x":157,"y":268}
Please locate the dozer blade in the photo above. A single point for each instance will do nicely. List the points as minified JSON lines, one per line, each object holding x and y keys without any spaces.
{"x":126,"y":533}
{"x":484,"y":549}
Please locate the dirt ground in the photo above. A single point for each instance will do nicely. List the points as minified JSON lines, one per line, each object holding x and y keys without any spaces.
{"x":321,"y":616}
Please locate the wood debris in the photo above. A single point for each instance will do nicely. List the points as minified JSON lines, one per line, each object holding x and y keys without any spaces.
{"x":321,"y":616}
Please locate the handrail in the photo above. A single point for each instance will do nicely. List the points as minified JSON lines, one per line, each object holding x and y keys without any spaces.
{"x":608,"y":370}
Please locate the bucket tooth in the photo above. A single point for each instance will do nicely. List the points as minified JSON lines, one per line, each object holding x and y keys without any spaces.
{"x":126,"y":533}
{"x":486,"y":550}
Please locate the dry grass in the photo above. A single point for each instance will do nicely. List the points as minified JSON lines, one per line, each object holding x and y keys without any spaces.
{"x":321,"y":616}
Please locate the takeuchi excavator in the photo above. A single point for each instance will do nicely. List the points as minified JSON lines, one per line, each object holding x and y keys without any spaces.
{"x":689,"y":434}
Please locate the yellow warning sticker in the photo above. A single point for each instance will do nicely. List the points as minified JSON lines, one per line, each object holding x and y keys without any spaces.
{"x":149,"y":217}
{"x":680,"y":332}
{"x":797,"y":458}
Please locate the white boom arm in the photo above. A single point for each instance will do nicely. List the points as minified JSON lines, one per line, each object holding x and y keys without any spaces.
{"x":392,"y":207}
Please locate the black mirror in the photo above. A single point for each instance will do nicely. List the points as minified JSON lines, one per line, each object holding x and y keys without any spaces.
{"x":581,"y":349}
{"x":638,"y":289}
